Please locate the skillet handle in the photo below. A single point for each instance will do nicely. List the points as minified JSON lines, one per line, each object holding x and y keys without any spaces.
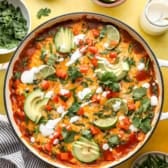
{"x":163,"y":63}
{"x":4,"y":66}
{"x":164,"y":116}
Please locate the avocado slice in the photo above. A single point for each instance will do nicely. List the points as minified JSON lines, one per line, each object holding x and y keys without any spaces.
{"x":34,"y":105}
{"x":85,"y":150}
{"x":120,"y":69}
{"x":44,"y":72}
{"x":64,"y":40}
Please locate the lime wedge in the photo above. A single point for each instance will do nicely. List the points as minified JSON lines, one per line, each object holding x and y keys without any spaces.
{"x":117,"y":104}
{"x":44,"y":72}
{"x":106,"y":123}
{"x":113,"y":37}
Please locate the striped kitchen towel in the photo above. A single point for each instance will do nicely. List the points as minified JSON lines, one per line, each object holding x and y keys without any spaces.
{"x":12,"y":153}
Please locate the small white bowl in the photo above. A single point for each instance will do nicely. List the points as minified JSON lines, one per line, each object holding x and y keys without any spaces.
{"x":109,"y":5}
{"x":26,"y":15}
{"x":140,"y":159}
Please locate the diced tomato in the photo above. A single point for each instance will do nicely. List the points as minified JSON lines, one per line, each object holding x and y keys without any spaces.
{"x":45,"y":85}
{"x":89,"y":41}
{"x":95,"y":98}
{"x":112,"y":94}
{"x":94,"y":130}
{"x":48,"y":107}
{"x":92,"y":49}
{"x":80,"y":111}
{"x":48,"y":147}
{"x":142,"y":75}
{"x":140,"y":136}
{"x":84,"y":68}
{"x":94,"y":61}
{"x":76,"y":29}
{"x":122,"y":149}
{"x":113,"y":55}
{"x":58,"y":132}
{"x":95,"y":32}
{"x":125,"y":148}
{"x":61,"y":73}
{"x":55,"y":98}
{"x":108,"y":156}
{"x":132,"y":139}
{"x":131,"y":106}
{"x":124,"y":123}
{"x":57,"y":135}
{"x":66,"y":156}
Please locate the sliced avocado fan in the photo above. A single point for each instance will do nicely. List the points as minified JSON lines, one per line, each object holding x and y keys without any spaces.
{"x":120,"y":69}
{"x":34,"y":104}
{"x":64,"y":40}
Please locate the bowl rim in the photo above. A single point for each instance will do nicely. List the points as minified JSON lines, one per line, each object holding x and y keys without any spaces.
{"x":144,"y":155}
{"x":109,"y":5}
{"x":4,"y":51}
{"x":141,"y":145}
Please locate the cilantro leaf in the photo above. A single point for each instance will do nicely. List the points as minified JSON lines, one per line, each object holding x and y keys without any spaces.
{"x":43,"y":12}
{"x":114,"y":140}
{"x":143,"y":124}
{"x":73,"y":109}
{"x":109,"y":79}
{"x":73,"y":73}
{"x":87,"y":134}
{"x":138,"y":93}
{"x":68,"y":135}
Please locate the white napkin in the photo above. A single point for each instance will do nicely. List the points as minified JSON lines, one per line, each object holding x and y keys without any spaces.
{"x":12,"y":153}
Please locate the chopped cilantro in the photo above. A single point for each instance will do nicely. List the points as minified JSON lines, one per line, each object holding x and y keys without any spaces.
{"x":130,"y":61}
{"x":87,"y":134}
{"x":114,"y":140}
{"x":138,"y":93}
{"x":43,"y":12}
{"x":73,"y":73}
{"x":43,"y":54}
{"x":109,"y":79}
{"x":143,"y":124}
{"x":68,"y":135}
{"x":13,"y":26}
{"x":73,"y":109}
